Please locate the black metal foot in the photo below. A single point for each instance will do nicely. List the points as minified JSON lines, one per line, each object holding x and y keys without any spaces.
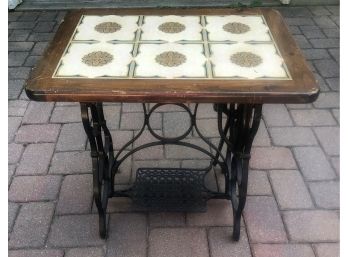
{"x":102,"y":226}
{"x":236,"y":228}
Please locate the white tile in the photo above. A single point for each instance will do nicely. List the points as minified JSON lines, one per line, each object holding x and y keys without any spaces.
{"x":270,"y":66}
{"x":125,"y":30}
{"x":73,"y":65}
{"x":256,"y":29}
{"x":193,"y":61}
{"x":187,"y":28}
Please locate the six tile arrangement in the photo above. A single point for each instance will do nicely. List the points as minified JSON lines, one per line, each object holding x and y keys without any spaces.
{"x":172,"y":47}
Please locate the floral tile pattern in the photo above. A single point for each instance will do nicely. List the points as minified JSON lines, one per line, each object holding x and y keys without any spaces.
{"x":172,"y":47}
{"x":78,"y":61}
{"x":246,"y":61}
{"x":172,"y":28}
{"x":171,"y":60}
{"x":237,"y":28}
{"x":120,"y":28}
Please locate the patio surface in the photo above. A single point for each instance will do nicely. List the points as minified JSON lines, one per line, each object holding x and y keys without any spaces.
{"x":293,"y":203}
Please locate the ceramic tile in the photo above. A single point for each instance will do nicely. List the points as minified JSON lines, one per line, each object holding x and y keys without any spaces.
{"x":170,"y":60}
{"x":237,"y":28}
{"x":168,"y":47}
{"x":107,"y":28}
{"x":172,"y":28}
{"x":246,"y":61}
{"x":96,"y":60}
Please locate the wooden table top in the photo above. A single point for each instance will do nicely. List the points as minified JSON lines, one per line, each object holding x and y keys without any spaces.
{"x":173,"y":55}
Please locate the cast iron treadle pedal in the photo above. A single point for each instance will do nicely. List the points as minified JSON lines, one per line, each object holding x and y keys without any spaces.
{"x":170,"y":189}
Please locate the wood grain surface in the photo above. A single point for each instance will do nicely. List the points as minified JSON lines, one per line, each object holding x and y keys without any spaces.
{"x":301,"y":89}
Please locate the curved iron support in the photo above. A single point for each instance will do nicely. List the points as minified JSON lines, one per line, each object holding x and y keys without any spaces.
{"x":168,"y":140}
{"x":243,"y":124}
{"x":238,"y":132}
{"x":102,"y":158}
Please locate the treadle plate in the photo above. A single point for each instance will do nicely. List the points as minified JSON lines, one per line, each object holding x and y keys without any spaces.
{"x":170,"y":189}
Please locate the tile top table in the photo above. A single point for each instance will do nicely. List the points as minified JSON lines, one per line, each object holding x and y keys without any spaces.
{"x":173,"y":55}
{"x":236,"y":59}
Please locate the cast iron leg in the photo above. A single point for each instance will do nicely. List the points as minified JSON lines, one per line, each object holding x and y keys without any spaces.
{"x":102,"y":158}
{"x":243,"y":122}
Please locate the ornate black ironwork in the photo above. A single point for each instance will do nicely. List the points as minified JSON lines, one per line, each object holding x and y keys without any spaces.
{"x":170,"y":189}
{"x":238,"y":132}
{"x":102,"y":154}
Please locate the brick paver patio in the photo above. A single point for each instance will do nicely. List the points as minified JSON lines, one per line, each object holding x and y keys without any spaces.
{"x":293,"y":203}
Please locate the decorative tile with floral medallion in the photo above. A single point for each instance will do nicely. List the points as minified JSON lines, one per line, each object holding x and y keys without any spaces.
{"x":167,"y":47}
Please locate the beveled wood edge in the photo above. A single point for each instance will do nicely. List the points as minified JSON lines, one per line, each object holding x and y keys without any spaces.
{"x":173,"y":90}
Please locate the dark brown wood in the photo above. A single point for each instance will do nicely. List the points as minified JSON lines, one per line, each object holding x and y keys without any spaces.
{"x":301,"y":89}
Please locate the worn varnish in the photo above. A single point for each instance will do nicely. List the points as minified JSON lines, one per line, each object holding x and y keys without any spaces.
{"x":301,"y":88}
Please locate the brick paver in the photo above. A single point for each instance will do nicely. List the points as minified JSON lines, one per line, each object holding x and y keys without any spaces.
{"x":32,"y":225}
{"x":85,"y":252}
{"x":326,"y":194}
{"x":15,"y":88}
{"x":220,"y":243}
{"x":38,"y":133}
{"x":262,"y":137}
{"x":34,"y":188}
{"x":72,"y":137}
{"x":128,"y":234}
{"x":71,"y":162}
{"x":14,"y":153}
{"x":36,"y":159}
{"x":36,"y":253}
{"x":13,"y":125}
{"x":327,"y":250}
{"x":272,"y":158}
{"x":292,"y":136}
{"x":166,"y":219}
{"x":12,"y":214}
{"x":312,"y":117}
{"x":38,"y":112}
{"x":11,"y":171}
{"x":313,"y":163}
{"x":75,"y":195}
{"x":276,"y":115}
{"x":66,"y":114}
{"x":17,"y":107}
{"x":312,"y":226}
{"x":290,"y":189}
{"x":293,"y":203}
{"x":178,"y":242}
{"x":75,"y":231}
{"x":176,"y":124}
{"x":263,"y":220}
{"x":329,"y":137}
{"x":258,"y":183}
{"x":283,"y":250}
{"x":219,"y":213}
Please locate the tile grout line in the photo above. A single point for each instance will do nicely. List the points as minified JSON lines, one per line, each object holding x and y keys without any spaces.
{"x":206,"y":47}
{"x":136,"y":45}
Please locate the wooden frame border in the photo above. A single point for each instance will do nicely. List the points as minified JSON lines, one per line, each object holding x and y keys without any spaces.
{"x":301,"y":89}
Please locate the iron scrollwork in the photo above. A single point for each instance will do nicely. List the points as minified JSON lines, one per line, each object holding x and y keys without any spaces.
{"x":236,"y":133}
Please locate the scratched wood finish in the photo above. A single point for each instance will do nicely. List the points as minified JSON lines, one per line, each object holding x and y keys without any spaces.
{"x":301,"y":89}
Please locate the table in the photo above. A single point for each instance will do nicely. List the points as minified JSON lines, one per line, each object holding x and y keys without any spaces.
{"x":236,"y":59}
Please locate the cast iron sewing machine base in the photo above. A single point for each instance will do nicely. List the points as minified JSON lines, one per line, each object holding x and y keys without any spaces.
{"x":164,"y":189}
